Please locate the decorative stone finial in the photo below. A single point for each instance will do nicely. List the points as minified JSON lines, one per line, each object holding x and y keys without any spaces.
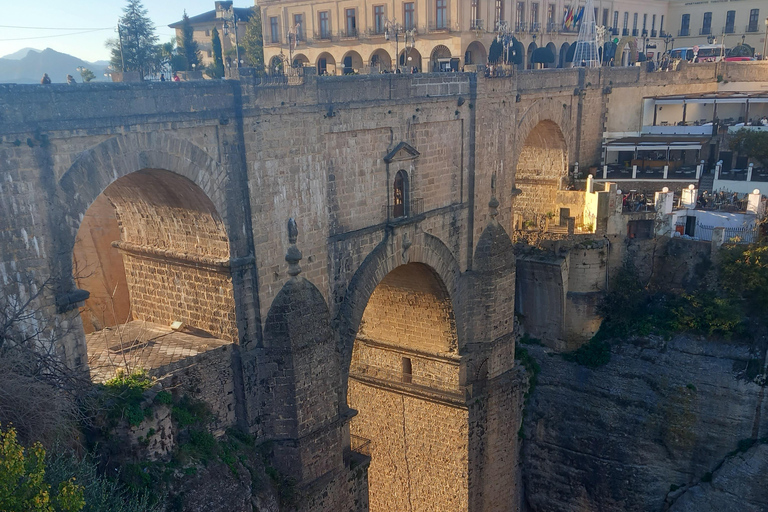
{"x":493,"y":204}
{"x":293,"y":256}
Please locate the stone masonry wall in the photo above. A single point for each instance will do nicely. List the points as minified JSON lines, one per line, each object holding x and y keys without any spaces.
{"x":418,"y":451}
{"x":410,"y":308}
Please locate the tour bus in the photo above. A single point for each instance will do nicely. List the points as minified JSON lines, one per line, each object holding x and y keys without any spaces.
{"x":706,"y":53}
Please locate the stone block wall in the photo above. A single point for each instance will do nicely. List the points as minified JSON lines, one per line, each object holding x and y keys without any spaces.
{"x":411,"y":309}
{"x":418,"y":451}
{"x":165,"y":290}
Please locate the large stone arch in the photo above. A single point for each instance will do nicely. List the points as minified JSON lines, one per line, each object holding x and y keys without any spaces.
{"x":384,"y":258}
{"x":98,"y":167}
{"x":633,"y":52}
{"x":541,"y":130}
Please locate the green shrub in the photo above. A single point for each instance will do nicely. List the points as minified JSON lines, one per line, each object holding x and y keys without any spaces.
{"x":23,"y":487}
{"x":595,"y":353}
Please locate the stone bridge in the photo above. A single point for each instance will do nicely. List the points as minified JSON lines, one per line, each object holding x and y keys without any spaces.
{"x":383,"y":313}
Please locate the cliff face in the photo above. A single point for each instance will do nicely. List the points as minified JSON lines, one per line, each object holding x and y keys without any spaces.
{"x":660,"y":414}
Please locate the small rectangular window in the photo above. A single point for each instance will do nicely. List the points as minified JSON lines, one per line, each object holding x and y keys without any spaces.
{"x":409,"y":19}
{"x":407,"y":370}
{"x":351,"y":23}
{"x":754,"y":16}
{"x":274,"y":29}
{"x":378,"y":19}
{"x":706,"y":26}
{"x":441,"y":14}
{"x":685,"y":25}
{"x":325,"y":26}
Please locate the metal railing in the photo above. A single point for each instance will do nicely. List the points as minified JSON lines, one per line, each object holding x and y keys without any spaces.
{"x":705,"y":31}
{"x":751,"y":27}
{"x":521,"y":27}
{"x":396,"y":212}
{"x":653,"y":32}
{"x":635,"y":32}
{"x":290,"y":76}
{"x":477,"y":25}
{"x":683,"y":32}
{"x":535,"y":26}
{"x":729,"y":29}
{"x":743,"y":235}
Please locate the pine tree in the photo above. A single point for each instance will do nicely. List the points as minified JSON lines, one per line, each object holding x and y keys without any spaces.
{"x":187,"y":45}
{"x":252,"y":41}
{"x":217,"y":70}
{"x":137,"y":48}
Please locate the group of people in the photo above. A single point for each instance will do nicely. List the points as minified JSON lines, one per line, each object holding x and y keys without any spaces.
{"x":718,"y":200}
{"x":71,"y":80}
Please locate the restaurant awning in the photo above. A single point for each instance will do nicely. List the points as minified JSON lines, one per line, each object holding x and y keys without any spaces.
{"x":655,"y":143}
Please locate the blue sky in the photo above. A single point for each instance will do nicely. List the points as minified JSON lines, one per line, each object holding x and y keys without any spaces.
{"x":62,"y":15}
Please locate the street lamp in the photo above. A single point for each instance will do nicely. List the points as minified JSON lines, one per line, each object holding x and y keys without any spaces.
{"x":392,"y":30}
{"x":765,"y":42}
{"x":294,"y":36}
{"x":505,"y":37}
{"x":233,"y":20}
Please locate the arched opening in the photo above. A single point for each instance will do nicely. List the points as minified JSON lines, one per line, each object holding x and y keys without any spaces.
{"x":529,"y":56}
{"x":352,"y":63}
{"x":154,"y":254}
{"x":276,"y":66}
{"x":381,"y":61}
{"x":326,"y":64}
{"x":552,"y":48}
{"x":300,"y":60}
{"x":542,"y":162}
{"x":440,"y":59}
{"x":563,"y":61}
{"x":410,"y":59}
{"x":400,"y":195}
{"x":404,"y":383}
{"x":626,"y":52}
{"x":476,"y":54}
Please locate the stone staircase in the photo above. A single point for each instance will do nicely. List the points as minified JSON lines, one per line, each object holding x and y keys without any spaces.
{"x":707,"y":180}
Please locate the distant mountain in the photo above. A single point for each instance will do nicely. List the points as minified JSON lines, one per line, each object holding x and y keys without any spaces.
{"x":30,"y":68}
{"x":20,"y":54}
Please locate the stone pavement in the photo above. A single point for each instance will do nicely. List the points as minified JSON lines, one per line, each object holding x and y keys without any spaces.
{"x":140,"y":344}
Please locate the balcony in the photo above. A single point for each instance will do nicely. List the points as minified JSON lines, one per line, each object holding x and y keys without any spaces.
{"x":349,"y":34}
{"x":653,"y":33}
{"x":752,"y":27}
{"x":625,"y":32}
{"x":440,"y":27}
{"x":705,"y":31}
{"x":400,"y":212}
{"x":325,"y":35}
{"x":535,"y":26}
{"x":552,"y":26}
{"x":729,"y":29}
{"x":614,"y":31}
{"x":477,"y":25}
{"x":635,"y":32}
{"x":521,"y":27}
{"x":662,"y":33}
{"x":683,"y":32}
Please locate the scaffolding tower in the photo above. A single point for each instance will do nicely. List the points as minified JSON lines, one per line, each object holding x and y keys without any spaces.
{"x":586,"y":54}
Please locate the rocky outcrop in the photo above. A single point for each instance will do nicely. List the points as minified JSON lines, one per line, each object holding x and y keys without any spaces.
{"x":659,"y":416}
{"x":739,"y":485}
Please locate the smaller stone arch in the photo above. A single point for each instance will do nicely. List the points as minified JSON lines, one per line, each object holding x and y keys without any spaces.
{"x":476,"y":54}
{"x":300,"y":60}
{"x":410,"y":58}
{"x":440,"y":58}
{"x":553,"y":49}
{"x":631,"y":52}
{"x":380,"y":60}
{"x":563,"y":56}
{"x":276,"y":66}
{"x":529,"y":56}
{"x":326,"y":64}
{"x":351,"y":63}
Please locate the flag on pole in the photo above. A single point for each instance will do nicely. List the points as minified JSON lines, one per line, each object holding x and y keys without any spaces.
{"x":578,"y":16}
{"x":569,"y":17}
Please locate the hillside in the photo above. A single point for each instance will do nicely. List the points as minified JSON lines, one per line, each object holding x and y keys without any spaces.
{"x":28,"y":69}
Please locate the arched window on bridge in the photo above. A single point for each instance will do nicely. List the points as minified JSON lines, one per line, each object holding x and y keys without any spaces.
{"x":400,"y":202}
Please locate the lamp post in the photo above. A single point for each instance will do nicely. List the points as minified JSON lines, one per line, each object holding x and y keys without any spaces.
{"x":505,"y":36}
{"x":667,"y":40}
{"x":233,"y":21}
{"x":392,"y":30}
{"x":294,"y":34}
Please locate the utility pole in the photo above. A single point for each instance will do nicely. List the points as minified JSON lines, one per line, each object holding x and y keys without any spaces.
{"x":237,"y":46}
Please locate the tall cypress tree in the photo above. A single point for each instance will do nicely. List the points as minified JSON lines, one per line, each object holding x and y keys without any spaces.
{"x":136,"y":46}
{"x":188,"y":46}
{"x":218,"y":61}
{"x":252,"y":42}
